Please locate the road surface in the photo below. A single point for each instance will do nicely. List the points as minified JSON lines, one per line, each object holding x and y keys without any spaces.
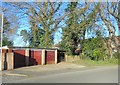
{"x":96,"y":75}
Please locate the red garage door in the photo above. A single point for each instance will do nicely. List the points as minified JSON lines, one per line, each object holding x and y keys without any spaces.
{"x":19,"y":58}
{"x":35,"y":57}
{"x":50,"y":57}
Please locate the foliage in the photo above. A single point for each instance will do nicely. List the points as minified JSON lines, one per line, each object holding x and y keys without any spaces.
{"x":94,"y":48}
{"x":35,"y":39}
{"x":6,"y":42}
{"x":109,"y":17}
{"x":6,"y":30}
{"x":88,"y":62}
{"x":44,"y":18}
{"x":76,"y":26}
{"x":70,"y":37}
{"x":116,"y":55}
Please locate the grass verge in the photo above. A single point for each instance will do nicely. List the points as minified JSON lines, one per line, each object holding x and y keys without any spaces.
{"x":86,"y":62}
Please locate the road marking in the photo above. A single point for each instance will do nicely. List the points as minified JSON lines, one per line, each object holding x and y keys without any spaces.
{"x":9,"y":74}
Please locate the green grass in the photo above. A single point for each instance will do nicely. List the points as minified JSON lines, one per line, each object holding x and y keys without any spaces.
{"x":86,"y":62}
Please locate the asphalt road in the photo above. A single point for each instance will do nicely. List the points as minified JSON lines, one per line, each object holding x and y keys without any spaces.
{"x":96,"y":75}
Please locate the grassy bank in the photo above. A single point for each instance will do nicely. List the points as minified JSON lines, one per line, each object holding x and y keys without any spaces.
{"x":95,"y":63}
{"x":87,"y":62}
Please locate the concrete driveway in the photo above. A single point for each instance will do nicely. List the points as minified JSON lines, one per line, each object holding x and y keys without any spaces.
{"x":38,"y":70}
{"x":50,"y":67}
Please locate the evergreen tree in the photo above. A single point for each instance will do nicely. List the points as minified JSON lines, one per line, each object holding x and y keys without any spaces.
{"x":6,"y":29}
{"x":70,"y":37}
{"x":78,"y":22}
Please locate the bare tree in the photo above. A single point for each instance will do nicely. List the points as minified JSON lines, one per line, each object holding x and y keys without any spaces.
{"x":109,"y":15}
{"x":44,"y":16}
